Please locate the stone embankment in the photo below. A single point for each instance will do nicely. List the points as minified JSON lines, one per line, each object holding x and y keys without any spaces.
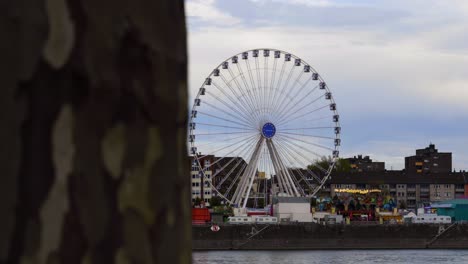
{"x":314,"y":236}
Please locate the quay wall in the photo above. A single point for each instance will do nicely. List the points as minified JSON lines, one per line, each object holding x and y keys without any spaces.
{"x":314,"y":236}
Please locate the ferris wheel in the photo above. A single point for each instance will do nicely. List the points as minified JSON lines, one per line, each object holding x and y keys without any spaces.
{"x":262,"y":119}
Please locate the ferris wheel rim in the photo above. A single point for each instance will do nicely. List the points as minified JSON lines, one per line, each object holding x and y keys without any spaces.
{"x":320,"y":78}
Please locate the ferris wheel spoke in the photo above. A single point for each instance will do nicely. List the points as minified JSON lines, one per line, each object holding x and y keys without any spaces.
{"x":277,"y":86}
{"x":243,"y":94}
{"x":248,"y":88}
{"x":242,"y":113}
{"x":245,"y":145}
{"x":225,"y":139}
{"x":225,"y":147}
{"x":271,"y":87}
{"x":292,"y":138}
{"x":305,"y":165}
{"x":253,"y":86}
{"x":215,"y":125}
{"x":236,"y":178}
{"x":283,"y":87}
{"x":288,"y":142}
{"x":305,"y":135}
{"x":237,"y":103}
{"x":221,"y":133}
{"x":308,"y":113}
{"x":239,"y":161}
{"x":265,"y":82}
{"x":302,"y":97}
{"x":296,"y":95}
{"x":297,"y":107}
{"x":240,"y":172}
{"x":240,"y":118}
{"x":280,"y":107}
{"x":240,"y":97}
{"x":259,"y":82}
{"x":225,"y":119}
{"x":287,"y":115}
{"x":305,"y":128}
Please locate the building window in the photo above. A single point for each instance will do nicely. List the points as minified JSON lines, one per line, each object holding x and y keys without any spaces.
{"x":447,"y":194}
{"x":447,"y":186}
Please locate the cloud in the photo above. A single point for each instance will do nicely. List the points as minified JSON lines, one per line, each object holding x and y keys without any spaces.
{"x":301,"y":2}
{"x":399,"y":77}
{"x":205,"y":11}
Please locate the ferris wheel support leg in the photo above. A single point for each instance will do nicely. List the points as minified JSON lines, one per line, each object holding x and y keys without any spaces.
{"x":279,"y":176}
{"x":251,"y":176}
{"x":243,"y":190}
{"x":287,"y":175}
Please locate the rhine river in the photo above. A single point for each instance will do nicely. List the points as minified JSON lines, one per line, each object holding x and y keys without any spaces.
{"x":331,"y":256}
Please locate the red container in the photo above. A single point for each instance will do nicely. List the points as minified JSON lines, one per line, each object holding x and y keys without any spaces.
{"x":200,"y":215}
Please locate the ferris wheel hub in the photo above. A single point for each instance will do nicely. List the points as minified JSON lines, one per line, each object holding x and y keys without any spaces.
{"x":268,"y":130}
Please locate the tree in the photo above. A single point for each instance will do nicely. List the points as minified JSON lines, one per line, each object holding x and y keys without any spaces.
{"x":215,"y":201}
{"x":341,"y":165}
{"x":93,"y":108}
{"x":198,"y":201}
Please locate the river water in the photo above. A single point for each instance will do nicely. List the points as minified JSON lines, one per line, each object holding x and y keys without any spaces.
{"x":331,"y":256}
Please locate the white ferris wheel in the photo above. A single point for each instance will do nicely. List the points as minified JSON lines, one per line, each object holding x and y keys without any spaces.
{"x":264,"y":117}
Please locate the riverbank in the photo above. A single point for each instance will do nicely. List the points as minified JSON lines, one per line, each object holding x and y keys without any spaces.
{"x":314,"y":236}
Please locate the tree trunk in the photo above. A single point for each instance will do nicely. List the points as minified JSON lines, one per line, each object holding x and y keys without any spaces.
{"x":93,"y":140}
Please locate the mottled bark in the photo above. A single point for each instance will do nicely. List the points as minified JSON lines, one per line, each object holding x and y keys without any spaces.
{"x":92,"y":143}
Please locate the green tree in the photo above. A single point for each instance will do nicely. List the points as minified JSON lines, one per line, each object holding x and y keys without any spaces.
{"x":198,"y":201}
{"x":341,"y":165}
{"x":215,"y":201}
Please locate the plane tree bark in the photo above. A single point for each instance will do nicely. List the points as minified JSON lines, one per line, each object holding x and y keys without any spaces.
{"x":93,"y":128}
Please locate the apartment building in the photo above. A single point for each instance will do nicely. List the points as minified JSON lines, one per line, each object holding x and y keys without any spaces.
{"x":360,"y":163}
{"x":429,"y":160}
{"x":408,"y":188}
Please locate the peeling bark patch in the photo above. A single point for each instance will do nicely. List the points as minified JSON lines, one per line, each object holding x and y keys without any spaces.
{"x":121,"y":257}
{"x":113,"y":148}
{"x":56,"y":205}
{"x":61,"y":34}
{"x":136,"y":242}
{"x":134,"y":191}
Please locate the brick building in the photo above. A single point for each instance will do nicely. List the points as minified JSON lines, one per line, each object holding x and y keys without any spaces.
{"x":360,"y":163}
{"x":429,"y":160}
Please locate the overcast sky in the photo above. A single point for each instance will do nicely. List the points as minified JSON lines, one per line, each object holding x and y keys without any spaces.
{"x":398,"y":69}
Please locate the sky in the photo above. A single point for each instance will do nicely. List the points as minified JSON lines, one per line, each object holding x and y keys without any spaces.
{"x":398,"y":69}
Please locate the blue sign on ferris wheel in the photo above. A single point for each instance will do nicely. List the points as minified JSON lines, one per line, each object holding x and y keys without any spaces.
{"x":268,"y":130}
